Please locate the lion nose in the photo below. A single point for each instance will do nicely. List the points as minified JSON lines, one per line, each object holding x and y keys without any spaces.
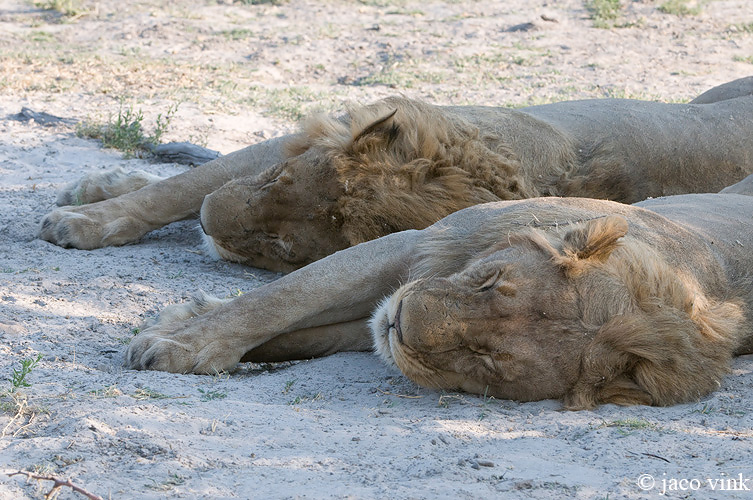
{"x":201,"y":224}
{"x":203,"y":212}
{"x":396,"y":322}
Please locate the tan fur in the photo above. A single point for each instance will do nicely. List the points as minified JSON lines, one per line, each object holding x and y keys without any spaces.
{"x":587,"y":301}
{"x":403,"y":164}
{"x":400,"y":164}
{"x":577,"y":311}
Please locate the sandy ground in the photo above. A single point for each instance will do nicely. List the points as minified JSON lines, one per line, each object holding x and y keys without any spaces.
{"x":344,"y":426}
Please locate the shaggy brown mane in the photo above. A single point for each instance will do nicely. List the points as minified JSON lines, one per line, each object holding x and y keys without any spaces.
{"x":665,"y":342}
{"x":402,"y":164}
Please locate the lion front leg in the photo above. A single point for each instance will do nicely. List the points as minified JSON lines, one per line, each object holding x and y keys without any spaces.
{"x":319,"y":309}
{"x":194,"y":344}
{"x":127,"y":217}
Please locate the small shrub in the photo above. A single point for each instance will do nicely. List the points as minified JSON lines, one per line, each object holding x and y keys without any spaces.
{"x":68,"y":8}
{"x":603,"y":12}
{"x":125,"y":132}
{"x":679,"y":8}
{"x":18,"y":379}
{"x":211,"y":395}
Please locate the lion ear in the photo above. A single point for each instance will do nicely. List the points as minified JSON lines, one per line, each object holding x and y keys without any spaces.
{"x":592,"y":242}
{"x":383,"y":125}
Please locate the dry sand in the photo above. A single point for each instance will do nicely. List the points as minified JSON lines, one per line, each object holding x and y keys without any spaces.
{"x":344,"y":426}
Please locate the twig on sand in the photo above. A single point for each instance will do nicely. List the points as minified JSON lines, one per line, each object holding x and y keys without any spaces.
{"x":58,"y":483}
{"x":650,"y":455}
{"x":656,"y":456}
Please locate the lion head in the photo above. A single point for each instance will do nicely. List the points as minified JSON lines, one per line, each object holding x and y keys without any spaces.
{"x":281,"y":220}
{"x":395,"y":165}
{"x":586,"y":314}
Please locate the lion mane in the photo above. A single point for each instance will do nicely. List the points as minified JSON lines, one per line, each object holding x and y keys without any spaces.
{"x":403,"y":163}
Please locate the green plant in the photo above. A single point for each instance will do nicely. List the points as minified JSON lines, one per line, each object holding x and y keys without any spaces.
{"x":706,"y":409}
{"x":237,"y":34}
{"x":292,"y":103}
{"x":603,"y":12}
{"x":68,"y":8}
{"x":743,"y":27}
{"x":162,"y":123}
{"x":679,"y":8}
{"x":18,"y":379}
{"x":211,"y":395}
{"x":125,"y":131}
{"x":15,"y":402}
{"x":628,"y":425}
{"x":41,"y":37}
{"x":108,"y":392}
{"x":289,"y":385}
{"x":147,"y":393}
{"x":485,"y":405}
{"x":306,"y":398}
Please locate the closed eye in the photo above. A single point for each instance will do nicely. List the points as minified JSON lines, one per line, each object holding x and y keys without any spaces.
{"x":270,"y":176}
{"x":488,"y":284}
{"x":269,"y":183}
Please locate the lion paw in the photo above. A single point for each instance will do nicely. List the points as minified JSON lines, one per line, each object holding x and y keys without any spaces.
{"x":182,"y":349}
{"x":91,"y":226}
{"x":100,"y":186}
{"x":199,"y":303}
{"x":175,"y":342}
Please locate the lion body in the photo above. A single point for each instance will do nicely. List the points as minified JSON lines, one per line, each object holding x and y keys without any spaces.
{"x":425,"y":161}
{"x":627,"y":150}
{"x":584,"y":300}
{"x":402,"y":164}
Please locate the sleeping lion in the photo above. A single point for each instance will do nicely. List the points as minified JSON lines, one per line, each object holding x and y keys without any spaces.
{"x":589,"y":301}
{"x":402,"y":164}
